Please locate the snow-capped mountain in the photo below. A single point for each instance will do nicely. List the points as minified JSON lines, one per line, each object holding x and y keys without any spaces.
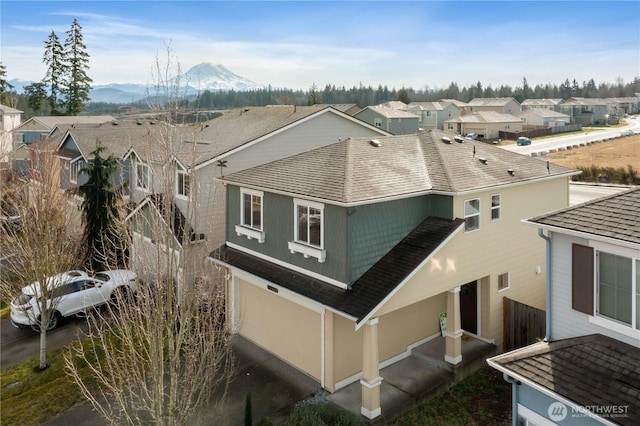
{"x":204,"y":76}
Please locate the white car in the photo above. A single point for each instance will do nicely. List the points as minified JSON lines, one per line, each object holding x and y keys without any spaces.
{"x":73,"y":292}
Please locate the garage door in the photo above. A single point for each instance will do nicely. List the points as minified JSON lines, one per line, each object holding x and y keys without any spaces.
{"x":286,"y":329}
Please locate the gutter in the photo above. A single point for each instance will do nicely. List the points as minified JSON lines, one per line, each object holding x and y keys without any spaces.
{"x":514,"y":397}
{"x":547,"y":336}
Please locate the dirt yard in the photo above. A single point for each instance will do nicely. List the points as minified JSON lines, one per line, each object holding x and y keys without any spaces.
{"x":616,"y":153}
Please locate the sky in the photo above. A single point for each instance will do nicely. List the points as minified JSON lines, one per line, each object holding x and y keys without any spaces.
{"x":295,"y":44}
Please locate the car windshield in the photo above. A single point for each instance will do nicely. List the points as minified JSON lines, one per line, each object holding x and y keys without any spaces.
{"x":22,"y":299}
{"x":102,"y":276}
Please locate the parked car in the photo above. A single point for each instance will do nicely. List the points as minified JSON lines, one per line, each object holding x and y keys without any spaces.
{"x":73,"y":292}
{"x":473,"y":136}
{"x":522,"y":140}
{"x":628,"y":132}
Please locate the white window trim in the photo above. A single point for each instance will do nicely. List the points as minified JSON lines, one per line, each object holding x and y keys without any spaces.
{"x":498,"y":208}
{"x":73,"y":172}
{"x":142,"y":188}
{"x":297,"y":246}
{"x":531,"y":416}
{"x":247,"y":230}
{"x":465,"y":215}
{"x":604,"y":321}
{"x":508,"y":282}
{"x":180,"y":170}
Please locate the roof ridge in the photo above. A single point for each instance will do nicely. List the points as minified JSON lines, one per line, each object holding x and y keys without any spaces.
{"x":348,"y":180}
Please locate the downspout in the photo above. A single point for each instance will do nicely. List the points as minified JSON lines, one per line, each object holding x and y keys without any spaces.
{"x":514,"y":397}
{"x":547,"y":336}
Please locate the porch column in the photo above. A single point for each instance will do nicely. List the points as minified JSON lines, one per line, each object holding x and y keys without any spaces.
{"x":453,"y":332}
{"x":371,"y":380}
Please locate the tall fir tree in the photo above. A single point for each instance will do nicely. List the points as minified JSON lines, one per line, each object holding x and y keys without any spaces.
{"x":56,"y":70}
{"x":77,"y":83}
{"x":101,"y":216}
{"x":5,"y":86}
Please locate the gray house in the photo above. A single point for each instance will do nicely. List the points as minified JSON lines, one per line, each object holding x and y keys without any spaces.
{"x":586,"y":371}
{"x":392,"y":120}
{"x":433,"y":114}
{"x":585,"y":111}
{"x":543,"y":117}
{"x":499,"y":105}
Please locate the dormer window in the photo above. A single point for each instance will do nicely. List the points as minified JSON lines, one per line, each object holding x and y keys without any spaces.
{"x":251,"y":215}
{"x":308,"y":229}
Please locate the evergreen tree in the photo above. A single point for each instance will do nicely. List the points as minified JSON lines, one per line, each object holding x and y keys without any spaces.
{"x":78,"y":83}
{"x":5,"y":87}
{"x":56,"y":70}
{"x":403,"y":96}
{"x":36,"y":94}
{"x":101,"y":216}
{"x":314,"y":96}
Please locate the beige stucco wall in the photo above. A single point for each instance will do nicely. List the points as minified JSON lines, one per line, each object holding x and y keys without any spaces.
{"x":505,"y":245}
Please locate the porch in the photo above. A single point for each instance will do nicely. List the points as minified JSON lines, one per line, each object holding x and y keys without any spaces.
{"x":418,"y":377}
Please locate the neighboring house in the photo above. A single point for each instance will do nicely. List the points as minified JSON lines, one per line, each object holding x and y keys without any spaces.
{"x":342,"y":259}
{"x":239,"y":139}
{"x":622,"y":107}
{"x":540,"y":103}
{"x":585,"y":111}
{"x":36,"y":128}
{"x":9,"y":121}
{"x":543,"y":117}
{"x":487,"y":124}
{"x":392,"y":120}
{"x":459,"y":104}
{"x":499,"y":105}
{"x":433,"y":114}
{"x":587,"y":371}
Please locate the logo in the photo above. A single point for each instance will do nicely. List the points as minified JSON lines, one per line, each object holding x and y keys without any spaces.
{"x":557,"y":411}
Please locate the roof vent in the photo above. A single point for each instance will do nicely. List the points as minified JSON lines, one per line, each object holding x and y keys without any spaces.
{"x":446,"y":139}
{"x":115,"y":123}
{"x":483,"y":160}
{"x":376,"y":143}
{"x":511,"y":172}
{"x":459,"y":139}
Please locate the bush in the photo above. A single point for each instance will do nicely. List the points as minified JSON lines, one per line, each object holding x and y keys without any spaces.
{"x":321,"y":415}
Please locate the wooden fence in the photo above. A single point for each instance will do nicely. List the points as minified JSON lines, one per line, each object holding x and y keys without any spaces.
{"x":522,"y":324}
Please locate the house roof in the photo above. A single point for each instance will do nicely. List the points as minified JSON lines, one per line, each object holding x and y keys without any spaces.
{"x":5,"y":109}
{"x":585,"y":101}
{"x":49,"y":122}
{"x":490,"y":101}
{"x":389,"y":112}
{"x":356,"y":171}
{"x":368,"y":291}
{"x":591,"y":371}
{"x":614,"y":217}
{"x":242,"y":126}
{"x":543,"y":113}
{"x":429,"y":106}
{"x":486,"y":117}
{"x":456,"y":102}
{"x":542,"y":102}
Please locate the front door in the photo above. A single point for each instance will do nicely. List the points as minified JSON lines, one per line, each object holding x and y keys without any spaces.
{"x":469,"y":307}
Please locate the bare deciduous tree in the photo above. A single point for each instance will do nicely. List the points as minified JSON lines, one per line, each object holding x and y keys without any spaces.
{"x":158,"y":359}
{"x":44,"y":241}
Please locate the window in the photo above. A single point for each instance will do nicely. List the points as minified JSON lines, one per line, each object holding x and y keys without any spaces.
{"x":183,"y":184}
{"x":495,"y":207}
{"x":617,"y":288}
{"x":142,"y":176}
{"x":308,"y":229}
{"x":503,"y":281}
{"x":251,"y":216}
{"x":377,"y":122}
{"x":472,"y":215}
{"x":76,"y":168}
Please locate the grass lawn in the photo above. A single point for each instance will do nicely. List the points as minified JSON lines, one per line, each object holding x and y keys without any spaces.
{"x":615,"y":153}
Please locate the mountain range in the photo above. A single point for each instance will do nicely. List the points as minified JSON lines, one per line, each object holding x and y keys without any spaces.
{"x":201,"y":77}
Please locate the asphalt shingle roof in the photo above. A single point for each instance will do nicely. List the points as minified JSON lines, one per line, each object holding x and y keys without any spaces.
{"x":354,"y":170}
{"x":592,"y":371}
{"x":616,"y":216}
{"x":486,"y":117}
{"x":371,"y":288}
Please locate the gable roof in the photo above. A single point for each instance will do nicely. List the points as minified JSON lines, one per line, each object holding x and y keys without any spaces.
{"x":486,"y":117}
{"x":430,"y":106}
{"x":592,"y":371}
{"x":5,"y":109}
{"x":614,"y":217}
{"x":542,"y":113}
{"x":389,"y":112}
{"x":490,"y":101}
{"x":244,"y":126}
{"x":49,"y":122}
{"x":362,"y":170}
{"x":372,"y":288}
{"x":542,"y":102}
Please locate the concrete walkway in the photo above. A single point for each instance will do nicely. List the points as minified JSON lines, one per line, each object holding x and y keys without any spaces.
{"x":276,"y":387}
